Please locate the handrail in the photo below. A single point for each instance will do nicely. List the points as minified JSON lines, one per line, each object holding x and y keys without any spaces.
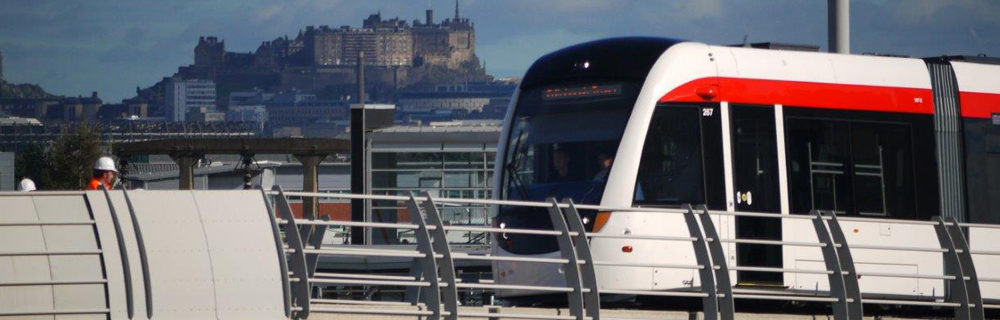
{"x":282,"y":262}
{"x":795,"y":216}
{"x":51,"y":282}
{"x":50,"y":253}
{"x":844,"y":297}
{"x":5,"y":313}
{"x":47,"y":223}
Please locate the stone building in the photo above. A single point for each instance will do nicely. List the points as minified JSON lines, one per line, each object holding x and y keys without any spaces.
{"x":449,"y":43}
{"x":386,"y":43}
{"x":209,"y":52}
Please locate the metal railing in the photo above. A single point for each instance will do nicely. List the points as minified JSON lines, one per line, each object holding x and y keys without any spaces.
{"x":434,"y":275}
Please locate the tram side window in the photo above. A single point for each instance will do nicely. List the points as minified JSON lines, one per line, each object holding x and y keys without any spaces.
{"x":670,"y":170}
{"x":851,"y":167}
{"x":982,"y":170}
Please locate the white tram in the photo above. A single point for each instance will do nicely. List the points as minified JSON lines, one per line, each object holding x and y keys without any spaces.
{"x":644,"y":122}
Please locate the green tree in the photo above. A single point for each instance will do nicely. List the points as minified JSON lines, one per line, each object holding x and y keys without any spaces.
{"x":30,"y":162}
{"x":71,"y":158}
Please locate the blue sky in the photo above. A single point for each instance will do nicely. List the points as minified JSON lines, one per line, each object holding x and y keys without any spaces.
{"x":73,"y":47}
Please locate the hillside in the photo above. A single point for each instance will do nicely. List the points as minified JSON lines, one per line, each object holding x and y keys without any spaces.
{"x":22,"y":91}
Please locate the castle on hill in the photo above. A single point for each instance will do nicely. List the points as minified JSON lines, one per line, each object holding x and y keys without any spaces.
{"x":385,"y":43}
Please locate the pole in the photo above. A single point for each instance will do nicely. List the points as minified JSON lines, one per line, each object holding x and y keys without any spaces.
{"x":839,"y":26}
{"x":358,"y":159}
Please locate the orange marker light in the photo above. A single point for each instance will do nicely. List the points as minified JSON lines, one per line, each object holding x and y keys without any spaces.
{"x":627,"y":249}
{"x":601,"y":219}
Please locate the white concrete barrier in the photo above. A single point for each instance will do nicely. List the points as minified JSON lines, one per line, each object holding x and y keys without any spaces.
{"x":203,"y":254}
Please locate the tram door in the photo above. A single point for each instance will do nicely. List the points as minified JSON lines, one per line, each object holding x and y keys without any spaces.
{"x":755,"y":180}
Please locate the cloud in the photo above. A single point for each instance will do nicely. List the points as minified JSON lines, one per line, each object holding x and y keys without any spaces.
{"x":267,"y":13}
{"x":924,"y":11}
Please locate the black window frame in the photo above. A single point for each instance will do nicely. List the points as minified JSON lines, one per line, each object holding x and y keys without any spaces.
{"x":923,"y":197}
{"x":712,"y":175}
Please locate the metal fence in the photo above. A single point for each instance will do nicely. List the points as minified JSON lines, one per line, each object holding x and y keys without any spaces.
{"x":100,"y":264}
{"x":434,"y":272}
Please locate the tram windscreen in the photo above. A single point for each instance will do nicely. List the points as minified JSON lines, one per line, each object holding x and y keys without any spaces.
{"x":562,"y":142}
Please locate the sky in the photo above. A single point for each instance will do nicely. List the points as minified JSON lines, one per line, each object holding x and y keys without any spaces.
{"x":74,"y":47}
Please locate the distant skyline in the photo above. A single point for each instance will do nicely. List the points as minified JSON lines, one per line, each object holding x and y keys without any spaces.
{"x":73,"y":47}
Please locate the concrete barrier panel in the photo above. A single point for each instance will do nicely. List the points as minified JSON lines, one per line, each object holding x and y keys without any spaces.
{"x":248,"y":283}
{"x":180,"y":269}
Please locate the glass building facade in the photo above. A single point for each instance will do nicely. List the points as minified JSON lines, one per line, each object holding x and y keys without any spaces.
{"x":447,"y":172}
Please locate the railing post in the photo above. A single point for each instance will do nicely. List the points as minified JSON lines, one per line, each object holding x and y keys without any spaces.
{"x":968,"y":268}
{"x":836,"y":278}
{"x":709,"y":304}
{"x":143,"y":258}
{"x":126,"y":268}
{"x":316,"y":242}
{"x":850,"y":275}
{"x":592,"y":299}
{"x":415,"y":294}
{"x":301,"y":288}
{"x":571,"y":269}
{"x":723,"y":284}
{"x":447,"y":267}
{"x":282,"y":260}
{"x":428,"y":264}
{"x":957,"y":291}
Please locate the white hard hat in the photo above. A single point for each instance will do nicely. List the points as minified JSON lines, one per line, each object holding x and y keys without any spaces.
{"x":105,"y":164}
{"x":27,"y":185}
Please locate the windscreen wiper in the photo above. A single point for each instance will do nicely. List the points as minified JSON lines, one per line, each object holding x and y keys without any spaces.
{"x":511,"y":168}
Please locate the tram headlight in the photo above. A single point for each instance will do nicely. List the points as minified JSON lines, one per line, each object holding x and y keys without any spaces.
{"x":503,"y":235}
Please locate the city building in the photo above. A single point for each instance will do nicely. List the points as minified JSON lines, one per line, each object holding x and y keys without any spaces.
{"x":76,"y":109}
{"x":247,"y":113}
{"x":125,"y":110}
{"x":305,"y":111}
{"x":183,"y":96}
{"x":15,"y":133}
{"x":28,"y":108}
{"x":203,"y":114}
{"x":249,"y":98}
{"x":487,"y":100}
{"x":410,"y":102}
{"x":448,"y":159}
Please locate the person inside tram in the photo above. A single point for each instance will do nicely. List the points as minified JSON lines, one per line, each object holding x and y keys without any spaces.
{"x":560,"y":165}
{"x":604,"y":161}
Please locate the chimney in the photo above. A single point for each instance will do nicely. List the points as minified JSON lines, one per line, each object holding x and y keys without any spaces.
{"x":430,"y":17}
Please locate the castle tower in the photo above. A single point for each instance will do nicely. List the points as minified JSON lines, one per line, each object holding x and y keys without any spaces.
{"x":209,"y":52}
{"x":456,"y":11}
